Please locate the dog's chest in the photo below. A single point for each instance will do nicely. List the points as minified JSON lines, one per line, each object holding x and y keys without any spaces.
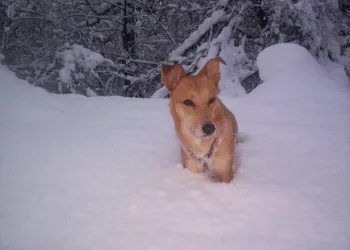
{"x":202,"y":147}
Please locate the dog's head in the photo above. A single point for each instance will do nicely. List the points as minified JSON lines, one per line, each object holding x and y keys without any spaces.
{"x":194,"y":98}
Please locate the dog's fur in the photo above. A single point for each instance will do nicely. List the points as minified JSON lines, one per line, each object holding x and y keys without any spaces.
{"x":199,"y":150}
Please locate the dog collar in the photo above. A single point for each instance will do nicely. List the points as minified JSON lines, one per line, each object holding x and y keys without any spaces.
{"x":204,"y":159}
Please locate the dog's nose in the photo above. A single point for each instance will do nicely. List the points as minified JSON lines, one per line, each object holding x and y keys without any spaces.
{"x":208,"y":128}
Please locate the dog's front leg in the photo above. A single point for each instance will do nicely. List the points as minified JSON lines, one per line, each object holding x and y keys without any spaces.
{"x":222,"y":168}
{"x":192,"y":164}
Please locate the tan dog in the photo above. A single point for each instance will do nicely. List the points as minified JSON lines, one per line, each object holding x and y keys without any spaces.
{"x":205,"y":127}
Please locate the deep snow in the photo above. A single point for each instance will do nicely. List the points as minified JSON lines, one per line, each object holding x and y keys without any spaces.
{"x":103,"y":173}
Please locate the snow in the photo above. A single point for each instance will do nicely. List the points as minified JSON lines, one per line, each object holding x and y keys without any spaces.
{"x":235,"y":58}
{"x":223,"y":2}
{"x":209,"y":22}
{"x":76,"y":56}
{"x":90,"y":92}
{"x":272,"y":60}
{"x":10,"y":12}
{"x":160,"y":93}
{"x":87,"y":58}
{"x":233,"y":71}
{"x":103,"y":172}
{"x":337,"y":72}
{"x":22,"y":102}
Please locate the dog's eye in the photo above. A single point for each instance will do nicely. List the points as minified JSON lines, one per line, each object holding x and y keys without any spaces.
{"x":188,"y":102}
{"x":211,"y":100}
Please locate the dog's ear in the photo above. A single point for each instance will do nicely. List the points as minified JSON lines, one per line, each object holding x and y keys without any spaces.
{"x":212,"y":69}
{"x":171,"y":75}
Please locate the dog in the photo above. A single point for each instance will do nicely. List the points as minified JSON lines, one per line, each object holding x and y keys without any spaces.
{"x":206,"y":128}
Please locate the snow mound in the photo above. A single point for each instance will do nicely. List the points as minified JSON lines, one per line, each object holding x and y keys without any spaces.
{"x":279,"y":58}
{"x":298,"y":73}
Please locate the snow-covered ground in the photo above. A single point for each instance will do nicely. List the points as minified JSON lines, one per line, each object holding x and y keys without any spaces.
{"x":103,"y":173}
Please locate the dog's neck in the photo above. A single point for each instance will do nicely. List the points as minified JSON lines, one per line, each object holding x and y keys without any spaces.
{"x":208,"y":155}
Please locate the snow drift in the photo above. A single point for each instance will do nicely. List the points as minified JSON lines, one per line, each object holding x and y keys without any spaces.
{"x":101,"y":173}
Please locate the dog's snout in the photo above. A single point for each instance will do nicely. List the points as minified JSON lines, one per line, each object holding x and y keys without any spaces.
{"x":208,"y":128}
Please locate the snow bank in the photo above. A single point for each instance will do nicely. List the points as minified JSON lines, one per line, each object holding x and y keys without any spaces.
{"x":104,"y":175}
{"x":21,"y":101}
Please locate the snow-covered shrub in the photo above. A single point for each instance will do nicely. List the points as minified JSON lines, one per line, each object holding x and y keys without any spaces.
{"x":79,"y":69}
